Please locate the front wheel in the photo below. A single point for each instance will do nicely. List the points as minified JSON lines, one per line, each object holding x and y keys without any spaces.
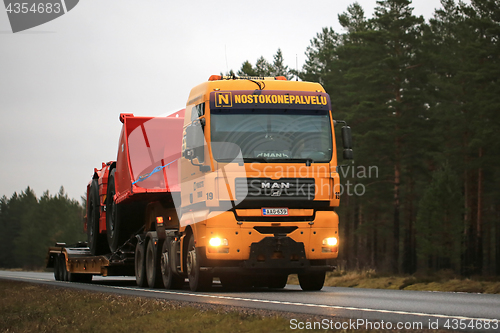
{"x":198,"y":280}
{"x":312,"y":281}
{"x":96,"y":241}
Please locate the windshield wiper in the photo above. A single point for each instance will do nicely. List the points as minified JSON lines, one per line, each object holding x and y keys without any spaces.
{"x":255,"y":159}
{"x":229,"y":159}
{"x":308,"y":161}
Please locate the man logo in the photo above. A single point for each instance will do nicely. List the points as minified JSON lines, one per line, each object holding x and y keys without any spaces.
{"x":274,"y":185}
{"x":223,"y":99}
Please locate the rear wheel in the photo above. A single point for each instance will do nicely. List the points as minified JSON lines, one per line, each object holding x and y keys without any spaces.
{"x":312,"y":281}
{"x":153,"y":272}
{"x":198,"y":280}
{"x":170,"y":280}
{"x":140,"y":268}
{"x":96,"y":241}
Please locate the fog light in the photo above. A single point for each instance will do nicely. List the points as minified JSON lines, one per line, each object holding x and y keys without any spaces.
{"x":216,"y":241}
{"x":331,"y":241}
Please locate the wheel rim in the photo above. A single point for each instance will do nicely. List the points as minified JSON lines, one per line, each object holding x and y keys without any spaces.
{"x":165,"y":264}
{"x":150,"y":263}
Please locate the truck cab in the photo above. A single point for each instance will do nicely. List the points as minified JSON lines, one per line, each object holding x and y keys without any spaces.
{"x":258,"y":174}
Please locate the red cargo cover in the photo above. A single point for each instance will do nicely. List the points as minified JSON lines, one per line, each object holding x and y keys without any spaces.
{"x":148,"y":155}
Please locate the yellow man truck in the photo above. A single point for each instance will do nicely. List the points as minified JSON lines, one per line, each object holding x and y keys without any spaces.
{"x":242,"y":186}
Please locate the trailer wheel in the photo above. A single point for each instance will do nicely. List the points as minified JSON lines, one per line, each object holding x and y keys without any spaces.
{"x":96,"y":241}
{"x":61,"y":268}
{"x":57,"y":271}
{"x":170,"y":280}
{"x":198,"y":280}
{"x":312,"y":281}
{"x":140,"y":268}
{"x":64,"y":271}
{"x":112,"y":217}
{"x":153,"y":271}
{"x":277,"y":282}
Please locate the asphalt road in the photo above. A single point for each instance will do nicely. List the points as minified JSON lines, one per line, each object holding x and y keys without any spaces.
{"x":409,"y":309}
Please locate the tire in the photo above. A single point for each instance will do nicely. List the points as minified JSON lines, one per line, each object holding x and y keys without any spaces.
{"x":62,"y":266}
{"x":153,"y":271}
{"x":170,"y":279}
{"x":96,"y":241}
{"x":140,"y":268}
{"x":312,"y":281}
{"x":198,"y":280}
{"x":121,"y":220}
{"x":57,"y":272}
{"x":277,"y":282}
{"x":113,"y":232}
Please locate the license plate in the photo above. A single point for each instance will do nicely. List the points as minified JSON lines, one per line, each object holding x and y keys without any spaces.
{"x":274,"y":211}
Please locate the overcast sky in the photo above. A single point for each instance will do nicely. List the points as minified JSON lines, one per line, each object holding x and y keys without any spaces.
{"x":63,"y":84}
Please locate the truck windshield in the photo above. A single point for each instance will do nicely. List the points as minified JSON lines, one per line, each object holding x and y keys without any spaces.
{"x":273,"y":135}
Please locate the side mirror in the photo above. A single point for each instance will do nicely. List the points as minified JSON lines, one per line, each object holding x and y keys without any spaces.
{"x":347,"y":143}
{"x":195,"y":142}
{"x":348,"y":154}
{"x":194,"y":136}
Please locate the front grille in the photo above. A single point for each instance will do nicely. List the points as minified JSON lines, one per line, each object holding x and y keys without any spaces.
{"x":284,"y":188}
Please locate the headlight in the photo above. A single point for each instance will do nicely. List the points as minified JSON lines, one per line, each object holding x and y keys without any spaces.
{"x":331,"y":241}
{"x":217,"y":241}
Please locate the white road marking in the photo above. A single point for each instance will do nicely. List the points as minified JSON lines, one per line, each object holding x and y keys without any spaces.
{"x":324,"y":306}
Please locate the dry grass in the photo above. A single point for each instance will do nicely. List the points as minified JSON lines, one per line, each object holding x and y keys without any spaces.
{"x":26,"y":307}
{"x":441,"y":281}
{"x":36,"y":308}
